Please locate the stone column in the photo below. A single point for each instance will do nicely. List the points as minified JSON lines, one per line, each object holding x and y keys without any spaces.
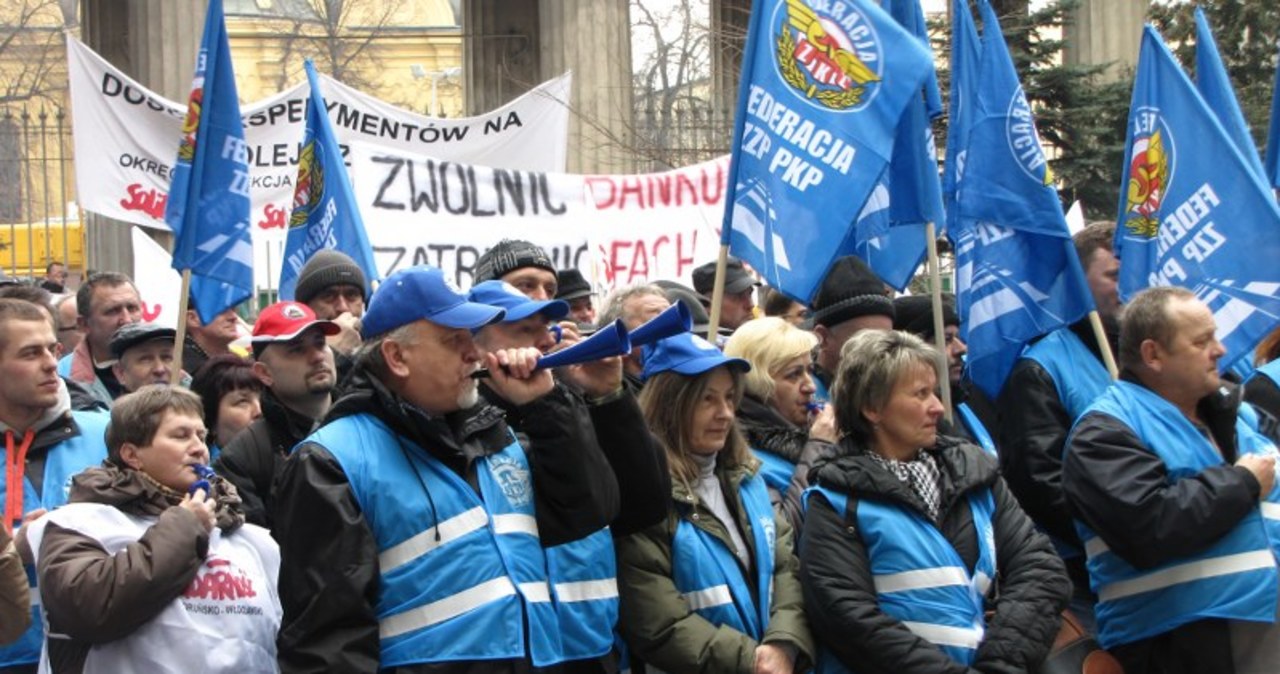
{"x":1106,"y":31}
{"x":593,"y":39}
{"x":154,"y":42}
{"x":499,"y":52}
{"x":509,"y":47}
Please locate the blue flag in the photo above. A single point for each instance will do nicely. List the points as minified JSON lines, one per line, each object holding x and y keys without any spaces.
{"x":966,"y":52}
{"x":1193,"y":212}
{"x":1273,"y":133}
{"x":1017,"y":274}
{"x":891,"y":229}
{"x":324,"y":209}
{"x":208,"y":208}
{"x":1215,"y":86}
{"x":824,"y":85}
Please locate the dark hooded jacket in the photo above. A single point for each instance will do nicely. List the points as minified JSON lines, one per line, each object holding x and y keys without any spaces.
{"x":253,"y":458}
{"x":92,"y":597}
{"x":1030,"y":591}
{"x":767,"y":431}
{"x":329,"y":557}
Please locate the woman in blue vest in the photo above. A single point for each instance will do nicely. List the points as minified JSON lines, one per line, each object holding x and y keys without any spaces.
{"x":915,"y":557}
{"x":713,"y":588}
{"x":777,"y":413}
{"x":1262,"y":388}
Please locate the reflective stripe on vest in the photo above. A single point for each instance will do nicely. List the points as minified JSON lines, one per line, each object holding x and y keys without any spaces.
{"x":584,"y":583}
{"x":775,"y":470}
{"x":918,"y":576}
{"x":62,"y":462}
{"x":1235,"y":578}
{"x":710,"y":577}
{"x":976,"y":428}
{"x":479,"y":593}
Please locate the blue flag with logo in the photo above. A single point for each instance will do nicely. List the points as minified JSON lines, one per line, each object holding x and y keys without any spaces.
{"x":1017,"y":274}
{"x":824,"y":85}
{"x":966,"y":52}
{"x":1273,"y":133}
{"x":891,"y":229}
{"x":208,"y":207}
{"x":1215,"y":87}
{"x":1193,"y":212}
{"x":324,"y":209}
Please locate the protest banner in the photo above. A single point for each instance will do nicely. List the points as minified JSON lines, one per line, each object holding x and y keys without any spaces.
{"x":124,"y":136}
{"x":627,"y":228}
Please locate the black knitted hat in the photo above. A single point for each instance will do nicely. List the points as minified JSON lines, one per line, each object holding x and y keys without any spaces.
{"x":915,"y":314}
{"x":328,"y":268}
{"x":508,"y":256}
{"x":850,"y":290}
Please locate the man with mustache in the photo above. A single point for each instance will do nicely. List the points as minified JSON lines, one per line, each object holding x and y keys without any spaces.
{"x":296,"y":366}
{"x":417,"y":533}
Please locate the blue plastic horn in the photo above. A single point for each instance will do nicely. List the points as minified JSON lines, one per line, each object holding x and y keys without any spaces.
{"x":670,"y":322}
{"x":611,"y":340}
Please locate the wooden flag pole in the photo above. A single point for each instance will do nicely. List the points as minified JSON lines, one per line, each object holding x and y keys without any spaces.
{"x":717,"y":293}
{"x":939,"y":330}
{"x":180,"y":337}
{"x":1104,"y":345}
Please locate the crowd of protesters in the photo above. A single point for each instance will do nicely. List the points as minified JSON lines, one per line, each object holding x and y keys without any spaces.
{"x":386,"y":480}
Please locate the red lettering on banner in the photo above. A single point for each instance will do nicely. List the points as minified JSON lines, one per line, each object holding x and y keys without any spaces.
{"x":660,"y":190}
{"x":151,"y":202}
{"x":220,"y":585}
{"x":272,"y":216}
{"x":148,"y":312}
{"x":629,"y":261}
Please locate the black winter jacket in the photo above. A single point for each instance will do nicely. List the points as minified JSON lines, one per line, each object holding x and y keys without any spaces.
{"x":1121,"y":489}
{"x":1029,"y":593}
{"x":329,"y":558}
{"x":253,"y":458}
{"x":1033,"y":431}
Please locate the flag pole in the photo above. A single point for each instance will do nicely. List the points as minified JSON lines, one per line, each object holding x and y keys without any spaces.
{"x":939,"y":330}
{"x":1104,"y":345}
{"x":717,"y":293}
{"x":179,"y":337}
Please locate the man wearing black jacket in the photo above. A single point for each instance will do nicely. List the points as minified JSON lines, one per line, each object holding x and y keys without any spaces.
{"x":298,"y":375}
{"x":416,"y":534}
{"x":1049,"y":387}
{"x":1164,"y":473}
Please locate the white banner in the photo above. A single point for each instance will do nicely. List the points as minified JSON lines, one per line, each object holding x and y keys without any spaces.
{"x":158,"y":284}
{"x":624,"y":229}
{"x":126,"y":138}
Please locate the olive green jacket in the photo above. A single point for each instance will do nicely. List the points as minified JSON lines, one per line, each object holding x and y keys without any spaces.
{"x":656,"y":621}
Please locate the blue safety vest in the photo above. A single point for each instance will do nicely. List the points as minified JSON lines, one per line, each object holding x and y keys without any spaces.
{"x":1079,"y":378}
{"x":463,"y":576}
{"x":919,"y":577}
{"x":775,"y":470}
{"x":1235,"y":578}
{"x":62,"y":462}
{"x":1270,"y":371}
{"x":1078,"y":374}
{"x":976,"y":428}
{"x":710,"y":577}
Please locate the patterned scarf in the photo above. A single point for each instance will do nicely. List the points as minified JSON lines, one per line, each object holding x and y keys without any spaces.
{"x":921,"y":475}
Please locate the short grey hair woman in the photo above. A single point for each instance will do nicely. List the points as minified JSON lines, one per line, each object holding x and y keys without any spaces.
{"x":912,"y":539}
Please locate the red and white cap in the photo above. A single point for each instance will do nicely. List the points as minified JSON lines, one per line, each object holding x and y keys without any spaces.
{"x":284,"y":321}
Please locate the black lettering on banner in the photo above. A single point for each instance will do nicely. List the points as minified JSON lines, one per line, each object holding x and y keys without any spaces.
{"x":379,"y":201}
{"x":462,"y":188}
{"x":396,"y":251}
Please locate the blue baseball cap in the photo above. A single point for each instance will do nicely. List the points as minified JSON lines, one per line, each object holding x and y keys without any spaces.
{"x":423,"y":292}
{"x":518,"y":305}
{"x":687,"y":354}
